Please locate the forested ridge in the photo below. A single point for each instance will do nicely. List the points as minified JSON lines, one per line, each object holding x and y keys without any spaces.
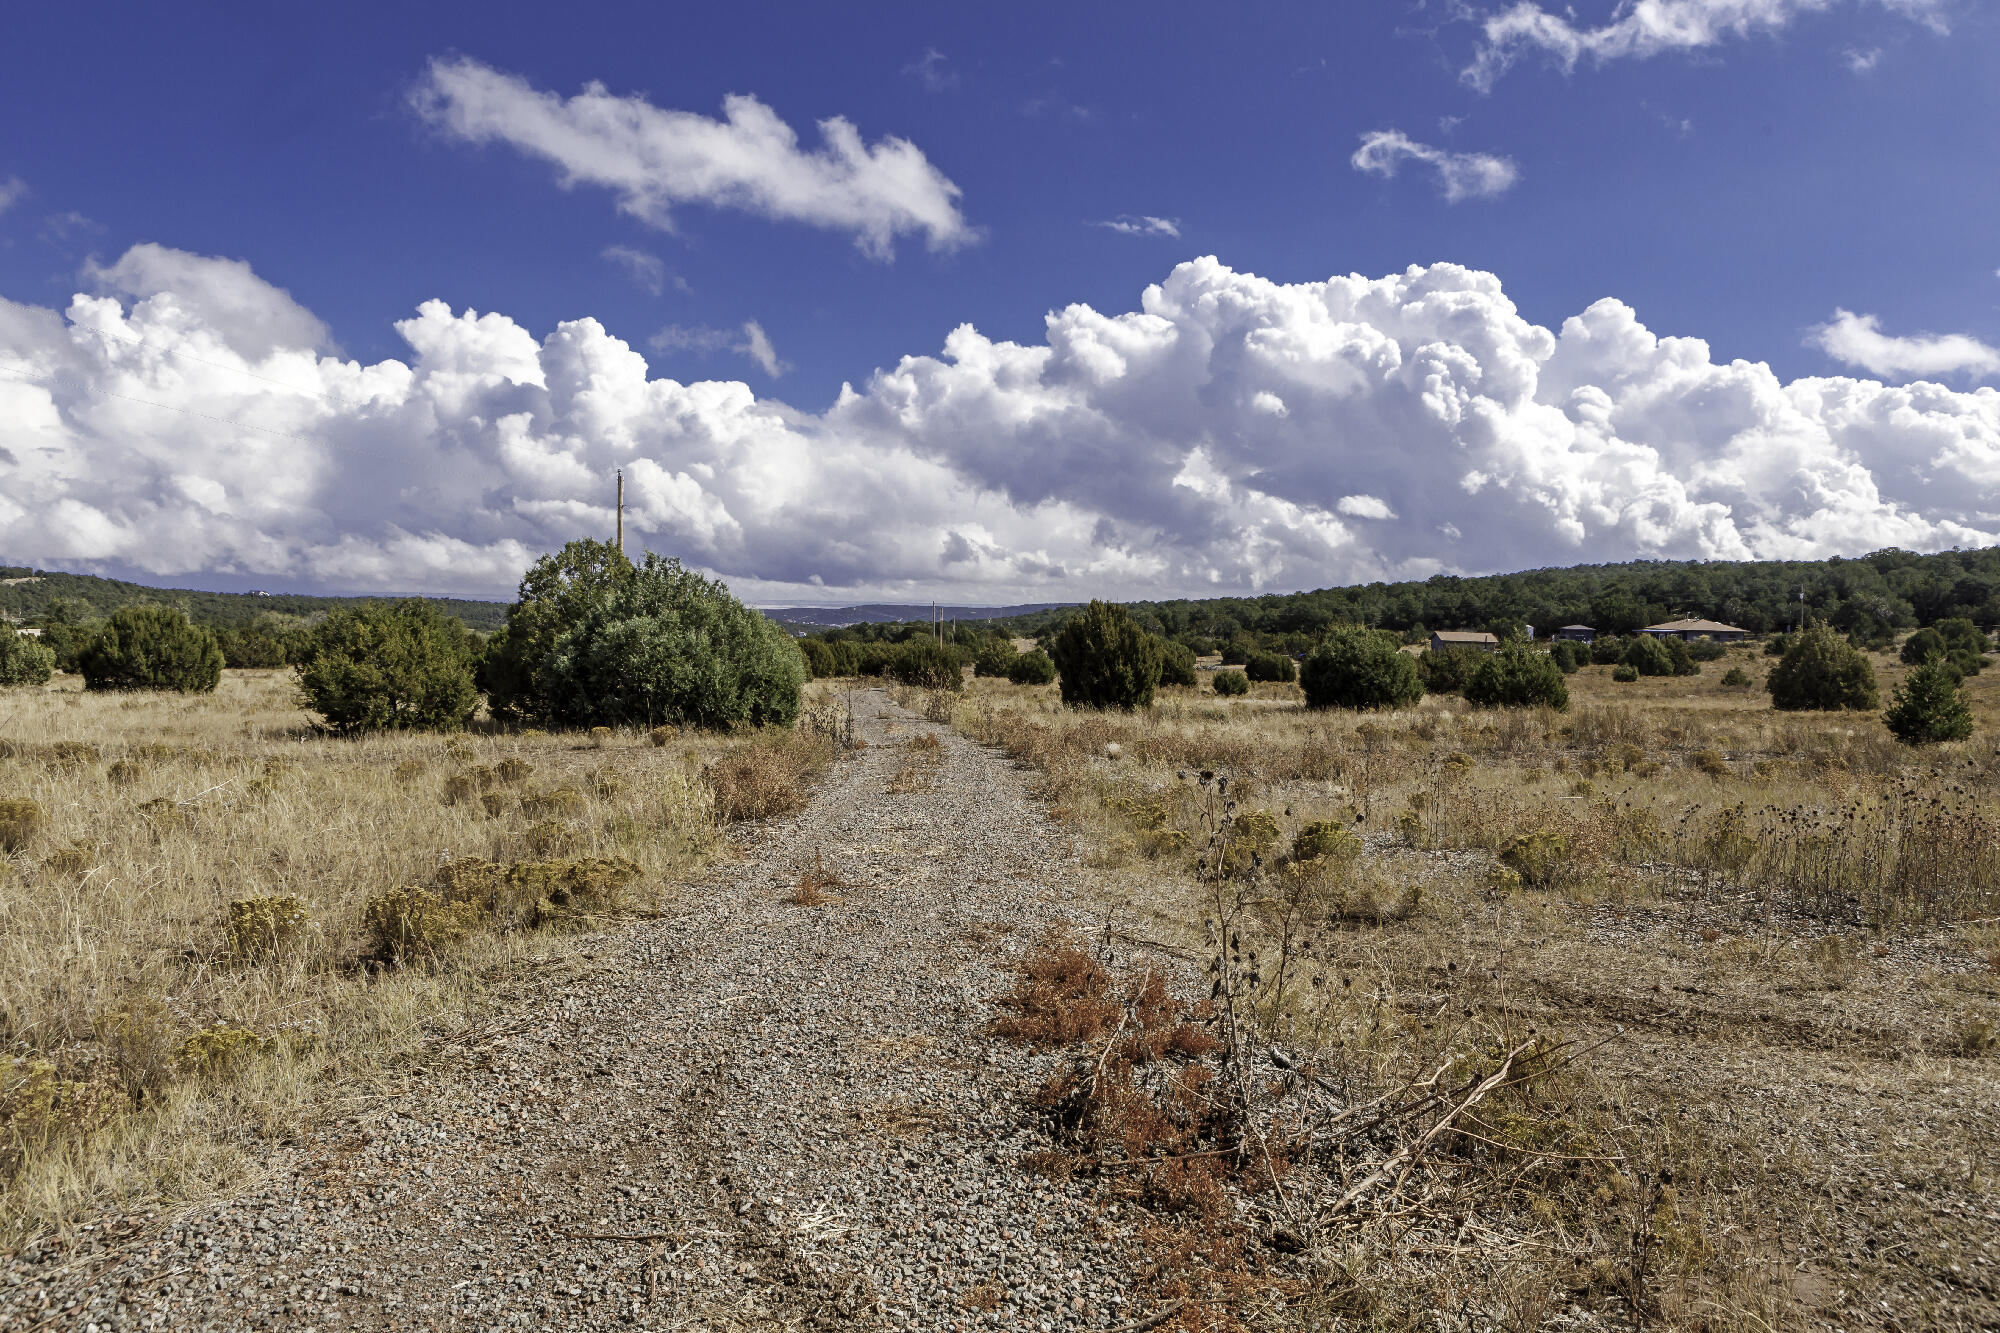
{"x":1868,"y":598}
{"x":84,"y":597}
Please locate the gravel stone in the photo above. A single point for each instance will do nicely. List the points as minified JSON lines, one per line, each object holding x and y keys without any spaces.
{"x":747,"y":1113}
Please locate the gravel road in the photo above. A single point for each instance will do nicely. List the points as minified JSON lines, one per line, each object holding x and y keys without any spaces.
{"x":749,"y":1114}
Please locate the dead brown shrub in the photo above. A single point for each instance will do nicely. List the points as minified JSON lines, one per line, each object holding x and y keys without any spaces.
{"x":812,"y":888}
{"x":1062,"y":995}
{"x":1139,"y":1093}
{"x":551,"y":804}
{"x":20,"y":821}
{"x":550,"y":837}
{"x":765,"y":780}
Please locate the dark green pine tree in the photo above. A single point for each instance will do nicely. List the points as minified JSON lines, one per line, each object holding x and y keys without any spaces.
{"x":1929,"y":707}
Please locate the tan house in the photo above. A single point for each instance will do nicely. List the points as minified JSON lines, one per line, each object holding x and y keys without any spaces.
{"x":1697,"y":629}
{"x":1442,"y":639}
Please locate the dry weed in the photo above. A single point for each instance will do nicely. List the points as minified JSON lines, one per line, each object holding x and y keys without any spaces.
{"x":265,"y":866}
{"x":814,"y":883}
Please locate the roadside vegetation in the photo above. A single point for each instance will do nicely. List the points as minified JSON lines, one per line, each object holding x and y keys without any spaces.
{"x":233,"y":900}
{"x":1668,"y":1007}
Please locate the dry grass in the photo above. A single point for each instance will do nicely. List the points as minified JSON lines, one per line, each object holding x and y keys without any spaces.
{"x":815,"y":885}
{"x":1773,"y":933}
{"x":332,"y":907}
{"x":768,"y":779}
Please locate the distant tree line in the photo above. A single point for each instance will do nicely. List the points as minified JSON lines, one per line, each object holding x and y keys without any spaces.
{"x":1868,"y":600}
{"x":86,"y":597}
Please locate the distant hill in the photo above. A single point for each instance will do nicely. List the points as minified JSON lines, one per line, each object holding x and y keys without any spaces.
{"x":874,"y":613}
{"x":26,"y":593}
{"x":1870,"y":598}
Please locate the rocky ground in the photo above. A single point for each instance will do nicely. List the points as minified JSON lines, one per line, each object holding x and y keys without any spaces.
{"x":751,"y":1113}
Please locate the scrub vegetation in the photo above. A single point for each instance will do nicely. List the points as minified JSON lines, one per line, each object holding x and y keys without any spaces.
{"x":1670,"y":1008}
{"x":231,"y":899}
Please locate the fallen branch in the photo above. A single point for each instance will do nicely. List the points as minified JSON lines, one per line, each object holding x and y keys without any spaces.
{"x":1155,"y":1319}
{"x":1406,"y":1157}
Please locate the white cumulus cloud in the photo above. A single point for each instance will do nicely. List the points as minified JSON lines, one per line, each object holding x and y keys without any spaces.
{"x":1226,"y":435}
{"x":1459,"y":175}
{"x":1641,"y":28}
{"x":656,"y":159}
{"x":1364,"y":506}
{"x":1858,"y":340}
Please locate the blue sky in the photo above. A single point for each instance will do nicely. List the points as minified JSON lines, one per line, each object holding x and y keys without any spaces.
{"x":1736,"y":171}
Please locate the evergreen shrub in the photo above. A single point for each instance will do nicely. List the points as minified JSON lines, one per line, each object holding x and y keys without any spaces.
{"x":928,"y":665}
{"x":1518,"y":677}
{"x":1231,"y":682}
{"x":383,"y":666}
{"x":1929,"y":707}
{"x":594,"y":640}
{"x":1821,"y":670}
{"x":994,"y":658}
{"x":1648,"y":656}
{"x":1104,"y":659}
{"x":151,"y":648}
{"x":1033,"y":667}
{"x":1448,"y":670}
{"x":1271,"y":667}
{"x":1357,"y":668}
{"x":24,"y":659}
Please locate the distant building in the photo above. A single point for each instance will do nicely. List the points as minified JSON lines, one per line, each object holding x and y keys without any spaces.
{"x":31,"y":633}
{"x":1576,"y":633}
{"x":1697,"y":629}
{"x":1442,"y":639}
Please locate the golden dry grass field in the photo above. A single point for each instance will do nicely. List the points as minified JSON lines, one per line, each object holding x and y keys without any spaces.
{"x":1774,"y":940}
{"x":217,"y":924}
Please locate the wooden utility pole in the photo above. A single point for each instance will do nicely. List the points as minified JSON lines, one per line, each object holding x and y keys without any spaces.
{"x":621,"y":511}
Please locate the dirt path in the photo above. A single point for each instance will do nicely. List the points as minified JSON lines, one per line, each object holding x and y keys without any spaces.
{"x":749,"y":1114}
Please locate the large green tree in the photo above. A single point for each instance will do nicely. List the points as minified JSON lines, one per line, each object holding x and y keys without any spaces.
{"x":558,"y":592}
{"x":151,"y":648}
{"x":1518,"y":677}
{"x":24,"y":659}
{"x":599,"y":641}
{"x":1105,"y":659}
{"x":1821,"y":670}
{"x":389,"y":667}
{"x":1359,"y":668}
